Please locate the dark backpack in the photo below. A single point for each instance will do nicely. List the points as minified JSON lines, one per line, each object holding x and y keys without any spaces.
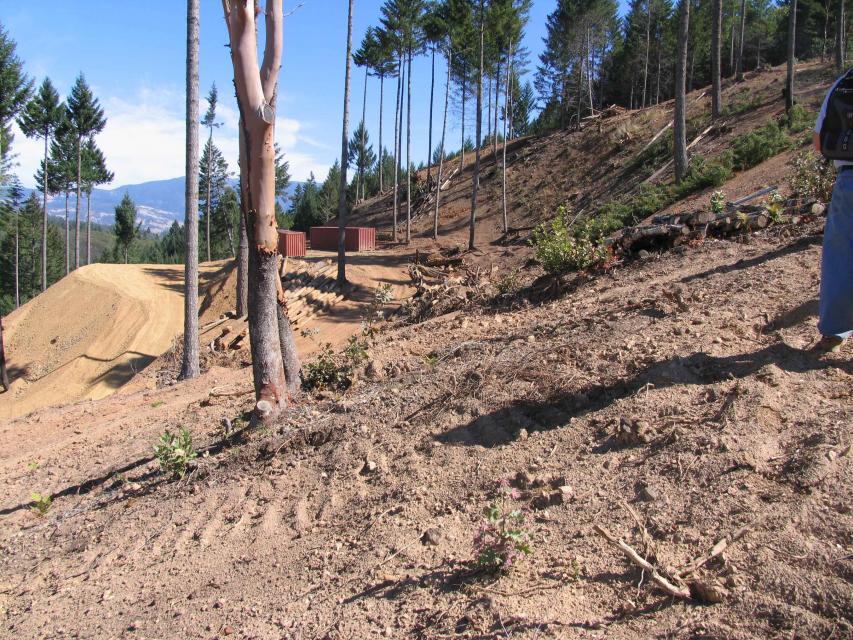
{"x":836,"y":133}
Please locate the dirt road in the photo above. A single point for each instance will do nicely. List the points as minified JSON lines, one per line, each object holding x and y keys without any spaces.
{"x":90,"y":333}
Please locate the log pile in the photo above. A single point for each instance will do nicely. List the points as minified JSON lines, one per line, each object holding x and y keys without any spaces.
{"x":736,"y":219}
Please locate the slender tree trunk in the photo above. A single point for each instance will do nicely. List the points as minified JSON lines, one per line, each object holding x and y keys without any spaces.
{"x":840,"y":22}
{"x":648,"y":47}
{"x":289,"y":353}
{"x":716,"y":82}
{"x":67,"y":239}
{"x":190,"y":364}
{"x":732,"y":46}
{"x":479,"y":125}
{"x":256,"y":89}
{"x":792,"y":33}
{"x":489,"y":109}
{"x":381,"y":148}
{"x":409,"y":150}
{"x":77,"y":204}
{"x":207,"y":206}
{"x":400,"y":136}
{"x":431,"y":101}
{"x":4,"y":375}
{"x":359,"y":179}
{"x":679,"y":126}
{"x":342,"y":195}
{"x":825,"y":29}
{"x":242,"y":302}
{"x":462,"y":148}
{"x":229,"y":229}
{"x":88,"y":226}
{"x":441,"y":153}
{"x":497,"y":102}
{"x":740,"y":40}
{"x":17,"y":259}
{"x":44,"y":215}
{"x":397,"y":109}
{"x":589,"y":73}
{"x":657,"y":89}
{"x":507,"y":115}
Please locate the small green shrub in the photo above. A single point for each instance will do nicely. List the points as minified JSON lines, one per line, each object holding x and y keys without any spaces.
{"x":41,"y":503}
{"x":718,"y":202}
{"x":324,"y":372}
{"x":743,"y":106}
{"x":813,"y":177}
{"x":509,"y":284}
{"x":174,"y":452}
{"x":562,"y":247}
{"x":702,"y":174}
{"x":502,"y":538}
{"x":753,"y":148}
{"x":775,"y":207}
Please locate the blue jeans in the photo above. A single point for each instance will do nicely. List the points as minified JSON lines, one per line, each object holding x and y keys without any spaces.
{"x":836,"y":282}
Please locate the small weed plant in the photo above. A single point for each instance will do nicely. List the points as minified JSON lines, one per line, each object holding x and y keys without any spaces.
{"x":41,"y":503}
{"x":509,"y":284}
{"x":775,"y":206}
{"x":812,"y":177}
{"x":337,"y":371}
{"x":502,"y":538}
{"x":718,"y":202}
{"x":174,"y":452}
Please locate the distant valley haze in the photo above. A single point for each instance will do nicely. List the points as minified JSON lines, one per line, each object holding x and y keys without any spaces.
{"x":158,"y":203}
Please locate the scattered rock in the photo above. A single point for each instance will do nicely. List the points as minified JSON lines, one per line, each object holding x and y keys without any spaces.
{"x":522,"y":434}
{"x":431,"y":537}
{"x":710,"y":592}
{"x":648,"y":493}
{"x":632,"y":432}
{"x":548,"y":499}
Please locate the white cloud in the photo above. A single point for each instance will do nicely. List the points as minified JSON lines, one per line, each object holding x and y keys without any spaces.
{"x":144,"y":139}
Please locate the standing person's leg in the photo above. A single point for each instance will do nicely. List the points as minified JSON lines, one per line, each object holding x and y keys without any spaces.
{"x":836,"y":281}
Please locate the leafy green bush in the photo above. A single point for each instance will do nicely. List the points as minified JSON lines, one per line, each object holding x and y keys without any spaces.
{"x":813,"y":177}
{"x":174,"y":452}
{"x":562,"y":247}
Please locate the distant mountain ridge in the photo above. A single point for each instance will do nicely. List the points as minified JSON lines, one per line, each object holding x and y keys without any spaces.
{"x":158,"y":203}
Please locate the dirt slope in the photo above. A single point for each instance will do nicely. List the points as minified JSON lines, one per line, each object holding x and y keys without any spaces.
{"x":582,"y":169}
{"x":90,"y":333}
{"x":316,"y":528}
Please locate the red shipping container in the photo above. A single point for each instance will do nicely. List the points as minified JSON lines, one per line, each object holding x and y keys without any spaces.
{"x":291,"y":243}
{"x":357,"y":238}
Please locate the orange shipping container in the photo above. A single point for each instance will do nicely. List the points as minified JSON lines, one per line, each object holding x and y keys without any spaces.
{"x":291,"y":243}
{"x":357,"y":238}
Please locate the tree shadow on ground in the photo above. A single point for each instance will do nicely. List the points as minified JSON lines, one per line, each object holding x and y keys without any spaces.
{"x":496,"y":428}
{"x":799,"y":244}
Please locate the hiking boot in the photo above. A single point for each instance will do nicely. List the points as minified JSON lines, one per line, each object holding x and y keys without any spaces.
{"x":828,"y":344}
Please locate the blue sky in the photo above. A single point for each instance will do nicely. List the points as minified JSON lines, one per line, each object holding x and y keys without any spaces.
{"x":133,"y":55}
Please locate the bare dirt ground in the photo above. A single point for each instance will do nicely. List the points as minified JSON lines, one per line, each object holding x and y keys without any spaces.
{"x":91,"y":333}
{"x":354,"y":516}
{"x":673,"y":400}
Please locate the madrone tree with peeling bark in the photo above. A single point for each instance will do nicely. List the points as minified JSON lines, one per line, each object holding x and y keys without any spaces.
{"x":269,"y":328}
